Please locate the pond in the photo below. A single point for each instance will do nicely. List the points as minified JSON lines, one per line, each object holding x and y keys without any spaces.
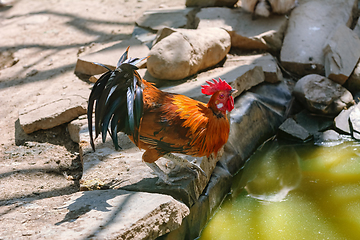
{"x":287,"y":191}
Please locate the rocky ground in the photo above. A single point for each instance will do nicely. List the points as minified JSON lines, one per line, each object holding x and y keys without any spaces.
{"x":39,"y":45}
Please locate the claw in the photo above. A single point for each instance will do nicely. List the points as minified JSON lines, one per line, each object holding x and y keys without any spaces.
{"x":198,"y":168}
{"x":163,"y":177}
{"x":183,"y":162}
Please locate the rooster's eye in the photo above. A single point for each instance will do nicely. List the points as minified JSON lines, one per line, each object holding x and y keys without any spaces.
{"x":221,"y":96}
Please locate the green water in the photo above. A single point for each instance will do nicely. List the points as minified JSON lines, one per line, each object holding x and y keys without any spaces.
{"x":293,"y":192}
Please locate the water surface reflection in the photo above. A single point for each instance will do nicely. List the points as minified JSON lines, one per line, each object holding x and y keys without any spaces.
{"x":293,"y":192}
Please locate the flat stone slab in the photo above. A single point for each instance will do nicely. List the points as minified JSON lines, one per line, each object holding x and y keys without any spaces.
{"x":266,"y":61}
{"x":293,"y":131}
{"x":101,"y":214}
{"x":157,"y":19}
{"x":263,"y":33}
{"x":109,"y":56}
{"x":310,"y":24}
{"x":239,"y":77}
{"x":313,"y":123}
{"x":53,"y":111}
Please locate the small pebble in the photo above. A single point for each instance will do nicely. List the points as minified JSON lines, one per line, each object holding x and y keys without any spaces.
{"x":32,"y":73}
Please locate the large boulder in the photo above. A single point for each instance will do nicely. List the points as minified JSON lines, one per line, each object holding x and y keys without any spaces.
{"x":184,"y":52}
{"x":321,"y":95}
{"x":310,"y":24}
{"x":342,"y":52}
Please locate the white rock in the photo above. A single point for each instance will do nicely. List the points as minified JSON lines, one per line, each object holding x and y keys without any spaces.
{"x":309,"y":26}
{"x":263,"y":33}
{"x":342,"y":52}
{"x":185,"y":52}
{"x":54,"y":112}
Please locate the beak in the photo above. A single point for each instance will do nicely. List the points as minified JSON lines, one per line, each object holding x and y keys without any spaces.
{"x":232,"y":91}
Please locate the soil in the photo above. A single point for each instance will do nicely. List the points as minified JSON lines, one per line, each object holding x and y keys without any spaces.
{"x":40,"y":41}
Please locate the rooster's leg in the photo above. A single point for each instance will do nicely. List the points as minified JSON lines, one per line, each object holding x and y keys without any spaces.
{"x":183,"y":162}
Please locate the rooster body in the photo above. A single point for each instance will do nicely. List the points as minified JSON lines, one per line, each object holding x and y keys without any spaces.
{"x":178,"y":124}
{"x":159,"y":122}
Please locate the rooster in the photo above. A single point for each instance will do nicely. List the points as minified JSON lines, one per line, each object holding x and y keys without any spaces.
{"x":159,"y":122}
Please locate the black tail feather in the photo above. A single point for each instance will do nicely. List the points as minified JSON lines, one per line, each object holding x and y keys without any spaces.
{"x":104,"y":66}
{"x":94,"y":96}
{"x":123,"y":57}
{"x":109,"y":95}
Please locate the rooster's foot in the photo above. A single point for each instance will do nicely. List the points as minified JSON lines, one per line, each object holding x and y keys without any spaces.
{"x":163,"y":177}
{"x":183,"y":162}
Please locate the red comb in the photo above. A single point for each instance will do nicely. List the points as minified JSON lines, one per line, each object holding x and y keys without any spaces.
{"x":215,"y":87}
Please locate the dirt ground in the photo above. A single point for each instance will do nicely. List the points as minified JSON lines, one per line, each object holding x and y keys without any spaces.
{"x":40,"y":41}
